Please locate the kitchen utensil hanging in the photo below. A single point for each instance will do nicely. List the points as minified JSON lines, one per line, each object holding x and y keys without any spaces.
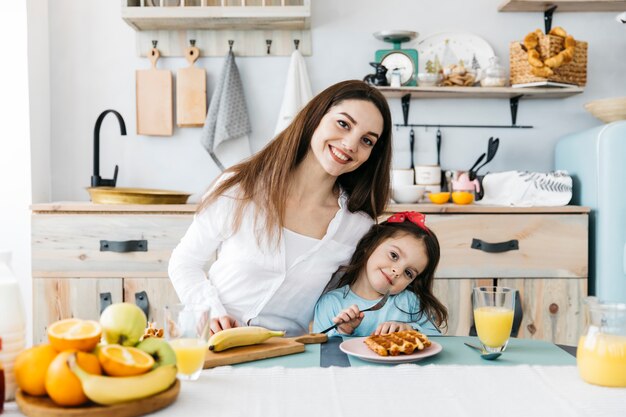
{"x":154,"y":98}
{"x":191,"y":98}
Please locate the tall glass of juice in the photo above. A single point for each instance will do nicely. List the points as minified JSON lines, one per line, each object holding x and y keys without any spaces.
{"x":493,"y":316}
{"x":601,"y":353}
{"x":187,"y":331}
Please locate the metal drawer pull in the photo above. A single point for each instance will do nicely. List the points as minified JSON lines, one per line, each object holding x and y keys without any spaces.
{"x":495,"y":247}
{"x":105,"y":300}
{"x":124,"y":246}
{"x":141,"y":299}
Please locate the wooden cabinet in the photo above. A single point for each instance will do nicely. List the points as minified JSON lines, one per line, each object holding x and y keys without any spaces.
{"x":77,"y":266}
{"x":544,"y":256}
{"x":547,"y":264}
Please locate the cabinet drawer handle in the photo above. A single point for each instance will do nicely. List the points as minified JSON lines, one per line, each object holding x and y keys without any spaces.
{"x":495,"y":247}
{"x":105,"y":300}
{"x":124,"y":246}
{"x":141,"y":299}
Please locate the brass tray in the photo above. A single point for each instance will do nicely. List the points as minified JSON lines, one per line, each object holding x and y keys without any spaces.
{"x":117,"y":195}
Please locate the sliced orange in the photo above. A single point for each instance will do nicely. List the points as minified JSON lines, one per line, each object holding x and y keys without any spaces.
{"x":117,"y":360}
{"x":76,"y":334}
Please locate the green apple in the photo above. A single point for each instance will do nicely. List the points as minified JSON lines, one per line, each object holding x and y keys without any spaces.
{"x":159,"y":349}
{"x":123,"y":323}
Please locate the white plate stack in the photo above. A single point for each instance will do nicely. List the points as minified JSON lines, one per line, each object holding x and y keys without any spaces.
{"x":12,"y":324}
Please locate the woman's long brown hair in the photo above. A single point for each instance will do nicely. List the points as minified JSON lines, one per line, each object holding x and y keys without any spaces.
{"x":263,"y":179}
{"x":421,"y":286}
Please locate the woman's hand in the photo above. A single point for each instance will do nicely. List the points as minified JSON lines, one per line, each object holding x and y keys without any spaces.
{"x":390,"y":327}
{"x":350,"y":318}
{"x":222,"y":323}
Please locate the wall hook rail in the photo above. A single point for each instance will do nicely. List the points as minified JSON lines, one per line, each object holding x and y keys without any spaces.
{"x":230,"y":45}
{"x":268,"y":43}
{"x":441,"y":125}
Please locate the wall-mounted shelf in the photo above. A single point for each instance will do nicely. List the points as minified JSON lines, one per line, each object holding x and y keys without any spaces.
{"x":479,"y":92}
{"x":563,"y":5}
{"x":512,"y":94}
{"x":212,"y":23}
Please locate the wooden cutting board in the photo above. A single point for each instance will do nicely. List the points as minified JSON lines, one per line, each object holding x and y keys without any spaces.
{"x":154,"y":99}
{"x":276,"y":346}
{"x":45,"y":407}
{"x":191,"y":92}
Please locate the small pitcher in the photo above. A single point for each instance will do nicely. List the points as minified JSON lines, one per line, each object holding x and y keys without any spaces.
{"x":601,"y":354}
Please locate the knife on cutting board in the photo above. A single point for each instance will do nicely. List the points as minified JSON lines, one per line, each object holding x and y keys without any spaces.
{"x":155,"y":114}
{"x":191,"y":101}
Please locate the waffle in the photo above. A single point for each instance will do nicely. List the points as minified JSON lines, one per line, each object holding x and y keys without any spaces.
{"x":392,"y":344}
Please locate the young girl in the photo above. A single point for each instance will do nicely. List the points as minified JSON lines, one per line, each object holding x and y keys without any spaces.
{"x":399,"y":255}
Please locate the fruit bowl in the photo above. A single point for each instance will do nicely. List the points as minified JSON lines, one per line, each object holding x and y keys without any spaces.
{"x":439,"y":198}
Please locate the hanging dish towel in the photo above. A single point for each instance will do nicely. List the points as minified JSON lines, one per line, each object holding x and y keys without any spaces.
{"x":225,"y":132}
{"x":527,"y":189}
{"x":297,"y":91}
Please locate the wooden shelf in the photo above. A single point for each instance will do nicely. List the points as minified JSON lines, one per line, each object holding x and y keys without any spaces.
{"x":479,"y":92}
{"x":284,"y":17}
{"x":563,"y":5}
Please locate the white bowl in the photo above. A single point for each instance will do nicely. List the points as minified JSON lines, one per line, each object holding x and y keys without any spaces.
{"x":425,"y":79}
{"x":407,"y":194}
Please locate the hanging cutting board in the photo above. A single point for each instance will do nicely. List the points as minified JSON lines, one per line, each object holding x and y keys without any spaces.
{"x":191,"y":92}
{"x":276,"y":346}
{"x":154,"y":100}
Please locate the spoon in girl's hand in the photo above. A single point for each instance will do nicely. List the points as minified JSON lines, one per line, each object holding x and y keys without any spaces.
{"x":488,"y":356}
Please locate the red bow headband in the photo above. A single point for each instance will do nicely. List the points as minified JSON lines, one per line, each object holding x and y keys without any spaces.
{"x":414,"y":217}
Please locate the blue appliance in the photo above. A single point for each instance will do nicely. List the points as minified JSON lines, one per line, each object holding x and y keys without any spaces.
{"x":596,"y":160}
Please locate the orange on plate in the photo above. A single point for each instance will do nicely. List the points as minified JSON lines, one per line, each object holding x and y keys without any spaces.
{"x":30,"y":368}
{"x":63,"y":387}
{"x":462,"y":197}
{"x":77,"y":334}
{"x":439,"y":198}
{"x":119,"y":360}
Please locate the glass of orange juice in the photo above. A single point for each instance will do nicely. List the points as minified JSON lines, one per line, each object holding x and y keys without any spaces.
{"x":493,"y":316}
{"x":601,"y":353}
{"x":187,"y":331}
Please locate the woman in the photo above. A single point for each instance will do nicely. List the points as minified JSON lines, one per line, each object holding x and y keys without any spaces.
{"x":285,"y":219}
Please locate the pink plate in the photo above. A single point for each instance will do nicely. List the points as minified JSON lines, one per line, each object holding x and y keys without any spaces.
{"x":356,"y":347}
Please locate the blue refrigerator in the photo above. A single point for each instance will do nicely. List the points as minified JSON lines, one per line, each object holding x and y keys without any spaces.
{"x":596,"y":160}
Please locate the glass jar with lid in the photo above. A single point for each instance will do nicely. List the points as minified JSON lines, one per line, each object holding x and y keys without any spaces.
{"x":494,"y":75}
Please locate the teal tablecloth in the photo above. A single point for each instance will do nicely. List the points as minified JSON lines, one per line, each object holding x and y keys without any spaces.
{"x":518,"y":352}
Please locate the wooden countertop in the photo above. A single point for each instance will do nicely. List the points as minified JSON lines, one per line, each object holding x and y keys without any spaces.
{"x":88,"y":207}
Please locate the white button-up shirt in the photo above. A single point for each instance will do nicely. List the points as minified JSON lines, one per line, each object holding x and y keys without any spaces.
{"x":248,"y":275}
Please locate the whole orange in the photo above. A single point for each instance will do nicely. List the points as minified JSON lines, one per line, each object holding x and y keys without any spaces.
{"x":64,"y":388}
{"x":31,"y":366}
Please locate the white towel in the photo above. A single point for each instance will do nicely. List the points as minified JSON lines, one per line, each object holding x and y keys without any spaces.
{"x":225,"y":132}
{"x":527,"y":189}
{"x":297,"y":91}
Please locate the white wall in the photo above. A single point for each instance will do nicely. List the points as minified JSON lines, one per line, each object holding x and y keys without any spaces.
{"x":93,"y":59}
{"x":15,"y":175}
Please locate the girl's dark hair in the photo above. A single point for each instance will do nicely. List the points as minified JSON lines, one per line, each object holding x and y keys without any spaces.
{"x":422,"y":285}
{"x":264,"y":178}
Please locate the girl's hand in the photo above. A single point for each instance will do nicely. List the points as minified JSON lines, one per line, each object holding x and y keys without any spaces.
{"x":350,"y":318}
{"x":390,"y":327}
{"x":222,"y":323}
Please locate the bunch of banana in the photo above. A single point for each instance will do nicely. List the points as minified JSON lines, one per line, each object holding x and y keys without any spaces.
{"x":108,"y":390}
{"x":241,"y":336}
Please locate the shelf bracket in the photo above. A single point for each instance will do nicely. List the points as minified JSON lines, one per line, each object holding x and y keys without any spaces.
{"x":514,"y":102}
{"x":406,"y":104}
{"x":547,"y":18}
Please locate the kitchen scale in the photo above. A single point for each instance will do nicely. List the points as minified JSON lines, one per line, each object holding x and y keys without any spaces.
{"x":399,"y":59}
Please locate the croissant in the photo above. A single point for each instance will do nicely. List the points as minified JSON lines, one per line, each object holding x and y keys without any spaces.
{"x":558,"y":31}
{"x":534,"y":59}
{"x":570,"y":42}
{"x":531,"y":41}
{"x":544,"y":72}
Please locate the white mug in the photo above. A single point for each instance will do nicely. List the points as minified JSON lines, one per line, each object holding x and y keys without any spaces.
{"x":428,"y":175}
{"x":401,"y":177}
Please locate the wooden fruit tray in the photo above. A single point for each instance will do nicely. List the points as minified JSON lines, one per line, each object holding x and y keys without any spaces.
{"x":45,"y":407}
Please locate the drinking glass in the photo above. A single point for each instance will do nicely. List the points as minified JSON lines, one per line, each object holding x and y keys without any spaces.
{"x":187,"y":331}
{"x":493,"y":316}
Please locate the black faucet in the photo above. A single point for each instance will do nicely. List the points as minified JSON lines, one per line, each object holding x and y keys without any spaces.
{"x":96,"y":181}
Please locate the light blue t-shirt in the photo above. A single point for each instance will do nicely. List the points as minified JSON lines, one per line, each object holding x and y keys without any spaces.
{"x":397,"y":308}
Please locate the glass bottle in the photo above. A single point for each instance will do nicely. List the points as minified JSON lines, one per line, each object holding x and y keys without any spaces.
{"x":494,"y":75}
{"x":601,"y":353}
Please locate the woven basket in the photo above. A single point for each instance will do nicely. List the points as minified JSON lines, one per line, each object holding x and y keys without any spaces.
{"x":574,"y":72}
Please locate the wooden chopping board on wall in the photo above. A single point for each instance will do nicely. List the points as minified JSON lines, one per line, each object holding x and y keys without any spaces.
{"x":191,"y":92}
{"x":154,"y":99}
{"x":276,"y":346}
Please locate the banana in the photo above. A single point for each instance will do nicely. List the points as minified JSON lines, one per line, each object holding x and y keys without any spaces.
{"x":108,"y":390}
{"x":241,"y":336}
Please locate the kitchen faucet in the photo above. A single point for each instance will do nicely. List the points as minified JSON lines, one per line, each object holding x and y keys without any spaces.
{"x":96,"y":181}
